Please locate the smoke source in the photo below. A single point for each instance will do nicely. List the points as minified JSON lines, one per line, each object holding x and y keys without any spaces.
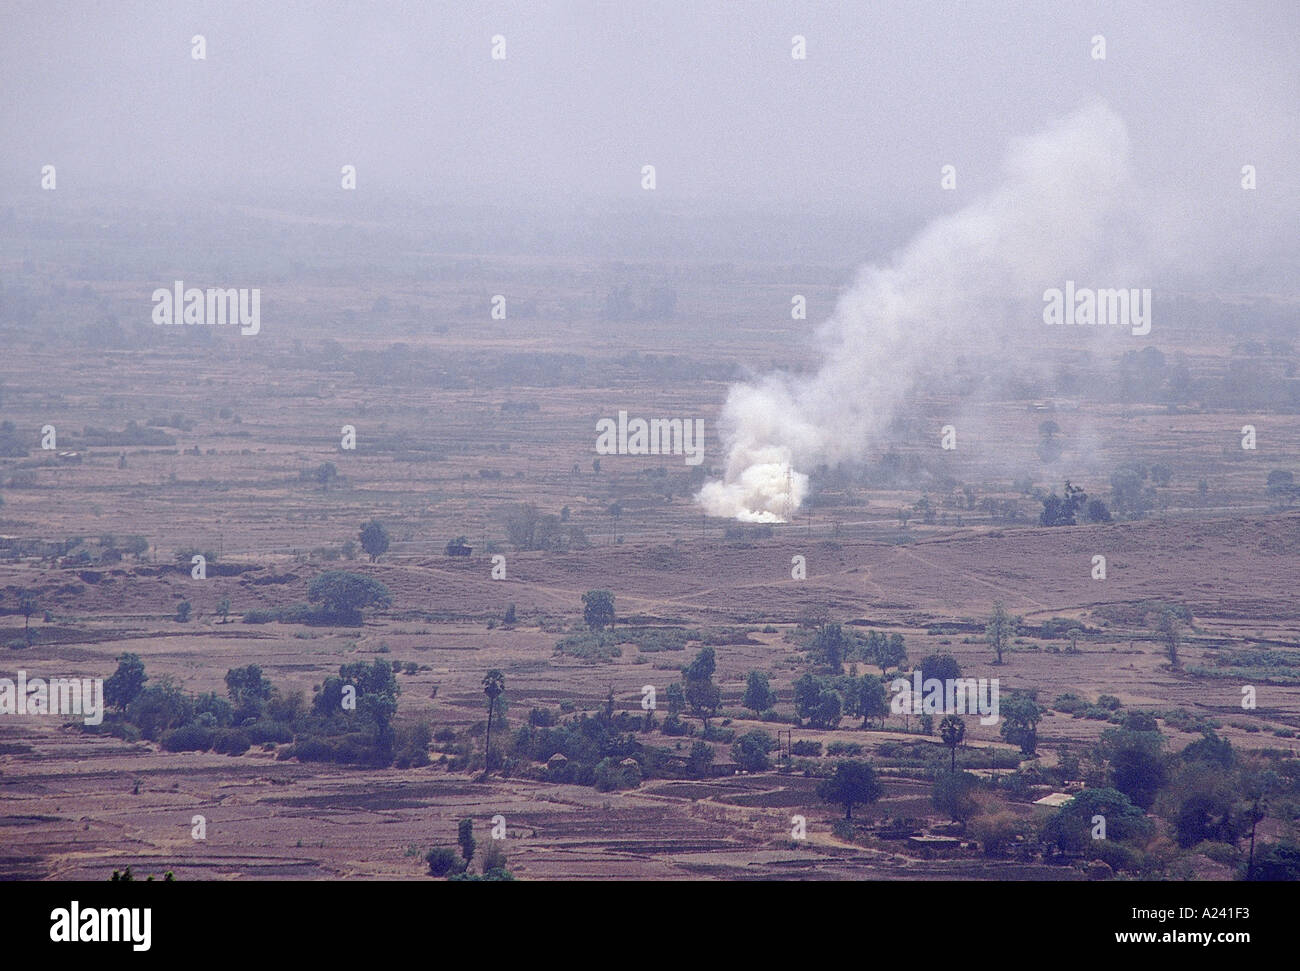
{"x":1064,"y":211}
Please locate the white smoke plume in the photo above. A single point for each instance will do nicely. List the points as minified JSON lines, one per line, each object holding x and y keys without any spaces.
{"x":1064,"y":211}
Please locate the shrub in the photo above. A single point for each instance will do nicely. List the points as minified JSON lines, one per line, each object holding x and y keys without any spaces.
{"x":494,"y":856}
{"x":844,"y":748}
{"x":995,"y":833}
{"x":751,"y":751}
{"x":231,"y":741}
{"x":413,"y":746}
{"x":592,"y":646}
{"x":188,"y":738}
{"x":611,"y":775}
{"x":806,"y":747}
{"x":1069,"y":703}
{"x":443,"y":861}
{"x":263,"y":730}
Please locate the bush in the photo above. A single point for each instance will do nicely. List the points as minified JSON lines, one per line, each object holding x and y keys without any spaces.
{"x":541,"y":718}
{"x":189,"y":738}
{"x":611,"y":775}
{"x":443,"y":861}
{"x":751,"y":751}
{"x":805,"y":747}
{"x":413,"y":746}
{"x":231,"y":741}
{"x":844,"y":748}
{"x":494,"y":857}
{"x":1277,"y":861}
{"x":262,"y":731}
{"x":995,"y":833}
{"x":1069,"y":704}
{"x":591,"y":646}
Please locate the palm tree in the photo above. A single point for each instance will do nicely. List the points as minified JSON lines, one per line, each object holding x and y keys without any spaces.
{"x":27,"y":606}
{"x":494,"y":685}
{"x":953,"y":731}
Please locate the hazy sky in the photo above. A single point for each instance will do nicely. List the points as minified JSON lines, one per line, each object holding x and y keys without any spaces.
{"x":706,"y":91}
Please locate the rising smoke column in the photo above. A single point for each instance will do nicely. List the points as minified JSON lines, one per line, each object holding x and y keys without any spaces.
{"x":1063,"y":211}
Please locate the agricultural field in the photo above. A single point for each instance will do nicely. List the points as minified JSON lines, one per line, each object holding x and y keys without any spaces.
{"x":483,"y":430}
{"x":601,"y":442}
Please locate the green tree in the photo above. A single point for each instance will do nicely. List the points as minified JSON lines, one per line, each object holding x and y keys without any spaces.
{"x":343,"y":595}
{"x":807,"y":689}
{"x":853,"y":783}
{"x":598,"y":609}
{"x":1171,"y":632}
{"x":376,"y":693}
{"x":953,"y":732}
{"x":223,"y":609}
{"x":1276,"y":862}
{"x":1020,"y":716}
{"x":701,"y":694}
{"x":159,"y":707}
{"x":700,"y":760}
{"x":248,"y":691}
{"x":1138,"y":767}
{"x":1071,"y":827}
{"x":443,"y":861}
{"x":828,"y":710}
{"x":891,"y":652}
{"x":27,"y":606}
{"x":676,"y":699}
{"x":136,"y":546}
{"x":1001,"y":630}
{"x":943,"y":667}
{"x":1129,"y":496}
{"x":326,"y":473}
{"x":465,"y":837}
{"x":374,"y":539}
{"x":1058,"y":511}
{"x":126,"y":682}
{"x":954,"y":794}
{"x":494,"y":685}
{"x":751,"y":751}
{"x":1212,"y":749}
{"x":521,"y":526}
{"x":759,"y":696}
{"x":183,"y":612}
{"x":1206,"y":807}
{"x":703,"y":666}
{"x":873,"y":702}
{"x":704,"y":699}
{"x":828,"y":645}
